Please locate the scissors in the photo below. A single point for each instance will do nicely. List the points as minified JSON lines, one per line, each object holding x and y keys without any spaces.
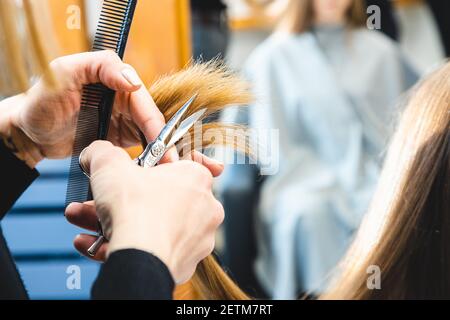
{"x":172,"y":132}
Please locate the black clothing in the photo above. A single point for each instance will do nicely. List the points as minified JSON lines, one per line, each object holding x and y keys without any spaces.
{"x":15,"y":177}
{"x":133,"y":274}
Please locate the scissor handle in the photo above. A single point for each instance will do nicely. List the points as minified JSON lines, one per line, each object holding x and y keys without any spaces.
{"x":154,"y":151}
{"x":152,"y":154}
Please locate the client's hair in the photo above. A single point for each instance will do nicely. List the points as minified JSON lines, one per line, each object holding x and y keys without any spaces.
{"x":217,"y":88}
{"x":407,"y":231}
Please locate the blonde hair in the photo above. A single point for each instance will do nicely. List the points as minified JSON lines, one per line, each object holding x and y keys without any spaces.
{"x":28,"y":45}
{"x":217,"y":88}
{"x":406,"y":233}
{"x":299,"y":16}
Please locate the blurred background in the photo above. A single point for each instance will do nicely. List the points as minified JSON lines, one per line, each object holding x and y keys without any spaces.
{"x":325,"y":81}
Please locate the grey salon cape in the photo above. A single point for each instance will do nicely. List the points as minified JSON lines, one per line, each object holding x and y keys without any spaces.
{"x":330,"y":94}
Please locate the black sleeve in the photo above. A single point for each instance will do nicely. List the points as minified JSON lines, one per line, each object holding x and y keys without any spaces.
{"x":15,"y":177}
{"x":133,"y":275}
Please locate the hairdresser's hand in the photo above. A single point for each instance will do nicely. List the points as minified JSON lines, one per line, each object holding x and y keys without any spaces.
{"x":168,"y":210}
{"x":85,"y":216}
{"x":47,"y":118}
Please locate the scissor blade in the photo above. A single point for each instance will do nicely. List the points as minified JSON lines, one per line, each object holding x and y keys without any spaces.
{"x":175,"y":120}
{"x":184,"y":127}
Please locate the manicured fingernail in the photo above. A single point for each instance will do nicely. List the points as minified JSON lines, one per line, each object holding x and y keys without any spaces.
{"x":131,"y":76}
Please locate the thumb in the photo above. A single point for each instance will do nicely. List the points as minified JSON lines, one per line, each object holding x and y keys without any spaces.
{"x":101,"y":154}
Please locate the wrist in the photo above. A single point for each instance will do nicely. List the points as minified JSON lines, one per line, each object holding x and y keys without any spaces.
{"x":13,"y":136}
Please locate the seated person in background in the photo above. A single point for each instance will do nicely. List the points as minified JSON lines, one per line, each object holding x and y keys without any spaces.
{"x":327,"y":84}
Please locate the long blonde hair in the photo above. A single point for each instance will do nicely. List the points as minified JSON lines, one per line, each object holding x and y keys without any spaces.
{"x":24,"y":51}
{"x":299,"y":16}
{"x":217,"y":88}
{"x":406,"y":234}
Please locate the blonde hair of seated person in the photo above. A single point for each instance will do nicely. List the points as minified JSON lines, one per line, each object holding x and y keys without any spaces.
{"x":216,"y":85}
{"x":406,"y":234}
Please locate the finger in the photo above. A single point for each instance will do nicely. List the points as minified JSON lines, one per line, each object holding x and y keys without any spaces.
{"x":215,"y":167}
{"x":100,"y":154}
{"x":170,"y":156}
{"x":83,"y":242}
{"x":83,"y":215}
{"x":149,"y":119}
{"x":123,"y":131}
{"x":98,"y":67}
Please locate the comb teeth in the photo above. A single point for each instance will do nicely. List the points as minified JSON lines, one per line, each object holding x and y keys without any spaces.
{"x":86,"y":133}
{"x":97,"y":100}
{"x":114,"y":25}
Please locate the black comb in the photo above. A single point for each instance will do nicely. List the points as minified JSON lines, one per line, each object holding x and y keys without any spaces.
{"x":97,"y":100}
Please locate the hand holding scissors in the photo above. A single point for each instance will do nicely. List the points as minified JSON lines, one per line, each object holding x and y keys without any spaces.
{"x":172,"y":132}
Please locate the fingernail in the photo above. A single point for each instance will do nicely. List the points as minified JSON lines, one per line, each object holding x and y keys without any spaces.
{"x":131,"y":76}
